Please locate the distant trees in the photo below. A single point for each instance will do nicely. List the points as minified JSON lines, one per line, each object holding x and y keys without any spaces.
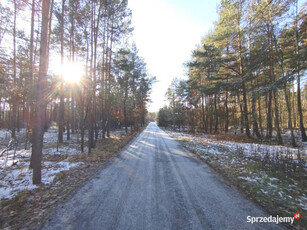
{"x":134,"y":86}
{"x":164,"y":117}
{"x":114,"y":86}
{"x":247,"y":73}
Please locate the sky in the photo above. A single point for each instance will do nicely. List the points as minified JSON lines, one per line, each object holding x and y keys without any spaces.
{"x":166,"y":32}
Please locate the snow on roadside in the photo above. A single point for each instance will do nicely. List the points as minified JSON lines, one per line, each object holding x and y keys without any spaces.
{"x":203,"y":148}
{"x":18,"y":178}
{"x":219,"y":147}
{"x":234,"y":159}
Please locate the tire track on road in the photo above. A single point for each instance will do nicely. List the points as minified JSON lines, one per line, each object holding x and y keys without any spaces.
{"x":199,"y":211}
{"x":102,"y":197}
{"x":180,"y":217}
{"x":127,"y":188}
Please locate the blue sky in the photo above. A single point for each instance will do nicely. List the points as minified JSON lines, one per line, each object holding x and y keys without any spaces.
{"x":166,"y":31}
{"x":200,"y":11}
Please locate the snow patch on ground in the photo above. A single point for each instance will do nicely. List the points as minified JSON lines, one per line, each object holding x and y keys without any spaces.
{"x":63,"y":150}
{"x":18,"y":178}
{"x":211,"y":149}
{"x":15,"y":174}
{"x":5,"y":134}
{"x":214,"y":147}
{"x":252,"y":180}
{"x":233,"y":155}
{"x":8,"y":159}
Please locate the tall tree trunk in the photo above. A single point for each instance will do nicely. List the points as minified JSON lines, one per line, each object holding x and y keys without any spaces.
{"x":246,"y":122}
{"x":294,"y":106}
{"x":203,"y":112}
{"x":211,"y":119}
{"x":277,"y":125}
{"x":269,"y":116}
{"x":72,"y":49}
{"x":226,"y":110}
{"x":259,"y":112}
{"x":14,"y":92}
{"x":298,"y":77}
{"x":125,"y":105}
{"x":96,"y":30}
{"x":72,"y":109}
{"x":241,"y":71}
{"x":84,"y":95}
{"x":206,"y":114}
{"x":68,"y":120}
{"x":293,"y":143}
{"x":103,"y":75}
{"x":92,"y":86}
{"x":50,"y":26}
{"x":31,"y":80}
{"x":254,"y":116}
{"x":288,"y":105}
{"x":39,"y":120}
{"x":83,"y":117}
{"x":260,"y":116}
{"x":61,"y":109}
{"x":109,"y":83}
{"x":272,"y":80}
{"x":299,"y":108}
{"x":241,"y":113}
{"x":216,"y":114}
{"x":226,"y":97}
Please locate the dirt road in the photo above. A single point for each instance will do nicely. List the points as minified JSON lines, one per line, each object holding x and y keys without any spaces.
{"x":155,"y":184}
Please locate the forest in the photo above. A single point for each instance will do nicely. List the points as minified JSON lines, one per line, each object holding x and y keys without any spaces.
{"x":77,"y":149}
{"x":248,"y":75}
{"x":100,"y":81}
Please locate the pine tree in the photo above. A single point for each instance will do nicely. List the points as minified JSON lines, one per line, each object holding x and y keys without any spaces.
{"x":41,"y":96}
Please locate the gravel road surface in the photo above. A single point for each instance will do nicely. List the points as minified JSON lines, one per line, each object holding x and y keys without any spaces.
{"x":154,"y":183}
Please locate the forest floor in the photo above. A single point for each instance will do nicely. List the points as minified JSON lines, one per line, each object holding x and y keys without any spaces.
{"x":25,"y":206}
{"x":273,"y":176}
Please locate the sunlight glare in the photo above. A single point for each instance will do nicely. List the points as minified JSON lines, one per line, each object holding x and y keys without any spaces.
{"x":72,"y":72}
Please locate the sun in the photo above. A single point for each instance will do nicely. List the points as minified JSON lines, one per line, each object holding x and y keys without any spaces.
{"x":72,"y":72}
